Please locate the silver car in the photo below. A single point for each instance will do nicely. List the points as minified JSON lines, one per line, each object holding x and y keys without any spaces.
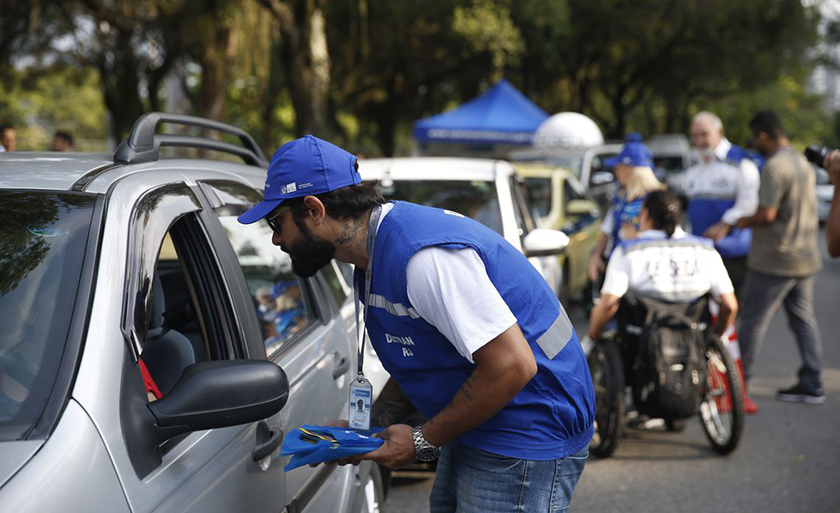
{"x":154,"y":352}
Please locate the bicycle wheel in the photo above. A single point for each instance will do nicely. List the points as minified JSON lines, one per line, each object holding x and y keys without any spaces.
{"x":607,"y":369}
{"x":722,"y":404}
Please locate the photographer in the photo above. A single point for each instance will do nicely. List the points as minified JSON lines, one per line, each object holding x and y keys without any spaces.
{"x":831,"y":163}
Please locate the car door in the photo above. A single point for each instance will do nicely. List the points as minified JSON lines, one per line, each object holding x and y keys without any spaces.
{"x":582,"y":229}
{"x":300,"y":329}
{"x":548,"y":266}
{"x":173,"y":294}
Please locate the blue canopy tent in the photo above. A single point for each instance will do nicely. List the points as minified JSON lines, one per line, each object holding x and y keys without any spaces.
{"x":495,"y":122}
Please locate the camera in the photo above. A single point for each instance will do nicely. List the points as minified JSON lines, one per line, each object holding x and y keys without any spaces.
{"x":816,"y":154}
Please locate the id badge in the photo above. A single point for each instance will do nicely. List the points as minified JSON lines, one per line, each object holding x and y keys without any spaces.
{"x":361,"y":395}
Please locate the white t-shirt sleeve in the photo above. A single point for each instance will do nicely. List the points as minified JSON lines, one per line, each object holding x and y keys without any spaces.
{"x":607,"y":222}
{"x":617,"y":277}
{"x":746,"y":197}
{"x":450,"y":290}
{"x":718,"y":275}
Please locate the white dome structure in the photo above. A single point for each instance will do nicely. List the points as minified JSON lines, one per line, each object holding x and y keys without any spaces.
{"x":568,"y":130}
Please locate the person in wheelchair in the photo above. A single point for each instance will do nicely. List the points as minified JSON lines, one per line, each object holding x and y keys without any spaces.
{"x":658,"y":286}
{"x":666,"y":264}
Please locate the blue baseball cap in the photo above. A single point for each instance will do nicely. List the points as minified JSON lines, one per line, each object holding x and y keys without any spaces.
{"x":634,"y":153}
{"x":303,"y":167}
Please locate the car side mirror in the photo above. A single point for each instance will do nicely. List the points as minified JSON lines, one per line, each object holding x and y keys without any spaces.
{"x":544,"y":242}
{"x":582,"y":208}
{"x":602,"y":178}
{"x":220,"y":394}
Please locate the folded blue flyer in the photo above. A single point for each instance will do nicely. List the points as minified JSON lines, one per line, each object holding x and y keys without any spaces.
{"x":317,"y":444}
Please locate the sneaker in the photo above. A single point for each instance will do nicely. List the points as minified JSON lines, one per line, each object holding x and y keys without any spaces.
{"x":750,"y":406}
{"x":800,"y":393}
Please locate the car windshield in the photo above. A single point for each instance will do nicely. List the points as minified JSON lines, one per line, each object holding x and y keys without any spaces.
{"x":671,"y":164}
{"x":476,"y":199}
{"x":571,"y":160}
{"x":539,"y":192}
{"x":42,"y":245}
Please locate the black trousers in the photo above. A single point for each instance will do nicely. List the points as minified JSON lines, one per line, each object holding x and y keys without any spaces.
{"x":737,"y":269}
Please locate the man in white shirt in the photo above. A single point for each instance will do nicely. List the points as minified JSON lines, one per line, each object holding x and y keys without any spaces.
{"x":722,"y":187}
{"x":469,"y":331}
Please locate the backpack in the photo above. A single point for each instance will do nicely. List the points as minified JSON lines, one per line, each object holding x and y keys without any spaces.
{"x":669,"y":367}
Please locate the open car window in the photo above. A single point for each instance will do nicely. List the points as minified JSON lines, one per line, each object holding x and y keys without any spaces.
{"x":282,"y":302}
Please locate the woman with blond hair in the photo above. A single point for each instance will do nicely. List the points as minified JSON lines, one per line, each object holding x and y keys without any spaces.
{"x":634,"y":173}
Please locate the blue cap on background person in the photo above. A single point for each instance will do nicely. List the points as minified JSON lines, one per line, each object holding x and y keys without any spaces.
{"x":303,"y":167}
{"x":634,"y":153}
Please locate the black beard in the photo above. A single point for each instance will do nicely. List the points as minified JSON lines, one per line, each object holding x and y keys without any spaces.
{"x":309,"y":253}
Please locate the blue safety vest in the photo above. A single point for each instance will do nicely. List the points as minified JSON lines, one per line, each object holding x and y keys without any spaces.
{"x":552,"y":416}
{"x":703,"y":212}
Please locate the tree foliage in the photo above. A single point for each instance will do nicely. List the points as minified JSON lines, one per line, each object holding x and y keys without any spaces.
{"x":361,"y":71}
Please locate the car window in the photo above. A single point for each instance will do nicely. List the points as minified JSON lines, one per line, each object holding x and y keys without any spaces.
{"x":282,"y":303}
{"x":184,"y":322}
{"x":477,"y":199}
{"x":336,"y":282}
{"x":670,"y":164}
{"x":43,"y":239}
{"x":539,"y":192}
{"x":571,"y":193}
{"x":598,"y":164}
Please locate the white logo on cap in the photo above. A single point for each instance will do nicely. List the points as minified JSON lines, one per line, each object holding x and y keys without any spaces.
{"x":288,"y":188}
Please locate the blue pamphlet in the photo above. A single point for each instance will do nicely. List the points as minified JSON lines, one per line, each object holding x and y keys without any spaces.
{"x":317,"y":444}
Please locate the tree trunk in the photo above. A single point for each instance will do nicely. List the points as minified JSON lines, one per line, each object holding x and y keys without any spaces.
{"x":120,"y":87}
{"x":216,"y":60}
{"x":307,"y":64}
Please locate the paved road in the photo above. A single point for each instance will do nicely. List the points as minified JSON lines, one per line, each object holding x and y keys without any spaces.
{"x":788,"y":460}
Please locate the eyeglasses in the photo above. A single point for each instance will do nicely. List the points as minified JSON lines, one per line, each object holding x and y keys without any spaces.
{"x":273,"y":221}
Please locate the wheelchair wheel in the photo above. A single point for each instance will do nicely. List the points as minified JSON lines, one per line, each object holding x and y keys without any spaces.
{"x":607,"y":369}
{"x":722,"y":405}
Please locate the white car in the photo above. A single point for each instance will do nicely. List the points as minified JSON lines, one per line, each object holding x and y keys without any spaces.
{"x":488,"y":191}
{"x":825,"y":194}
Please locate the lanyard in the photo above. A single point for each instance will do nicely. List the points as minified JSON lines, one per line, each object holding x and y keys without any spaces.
{"x":371,"y":241}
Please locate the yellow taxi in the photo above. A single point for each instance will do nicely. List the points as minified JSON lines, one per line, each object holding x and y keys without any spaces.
{"x":561,"y":202}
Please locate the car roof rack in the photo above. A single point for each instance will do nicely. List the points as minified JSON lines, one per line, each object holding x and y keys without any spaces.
{"x":143,"y":144}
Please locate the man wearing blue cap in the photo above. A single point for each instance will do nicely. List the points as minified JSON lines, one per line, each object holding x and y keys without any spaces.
{"x":633,"y":168}
{"x":467,"y":328}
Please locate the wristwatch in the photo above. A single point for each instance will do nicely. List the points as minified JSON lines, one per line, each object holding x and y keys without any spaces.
{"x":424,"y":450}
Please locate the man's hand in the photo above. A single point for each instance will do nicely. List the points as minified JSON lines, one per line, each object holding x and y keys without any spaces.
{"x":832,"y":165}
{"x":718,"y":231}
{"x":596,"y":267}
{"x":397,"y":451}
{"x":743,"y":223}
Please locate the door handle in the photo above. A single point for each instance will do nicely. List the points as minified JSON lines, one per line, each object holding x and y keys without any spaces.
{"x":267,"y":441}
{"x":341,"y":366}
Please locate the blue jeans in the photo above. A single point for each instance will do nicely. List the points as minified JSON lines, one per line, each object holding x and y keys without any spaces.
{"x":471,"y":480}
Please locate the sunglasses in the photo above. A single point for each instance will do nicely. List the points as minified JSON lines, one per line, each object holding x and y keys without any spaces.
{"x":274,"y":221}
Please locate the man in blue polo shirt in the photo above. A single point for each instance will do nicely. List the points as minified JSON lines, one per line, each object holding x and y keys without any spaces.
{"x":467,"y":328}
